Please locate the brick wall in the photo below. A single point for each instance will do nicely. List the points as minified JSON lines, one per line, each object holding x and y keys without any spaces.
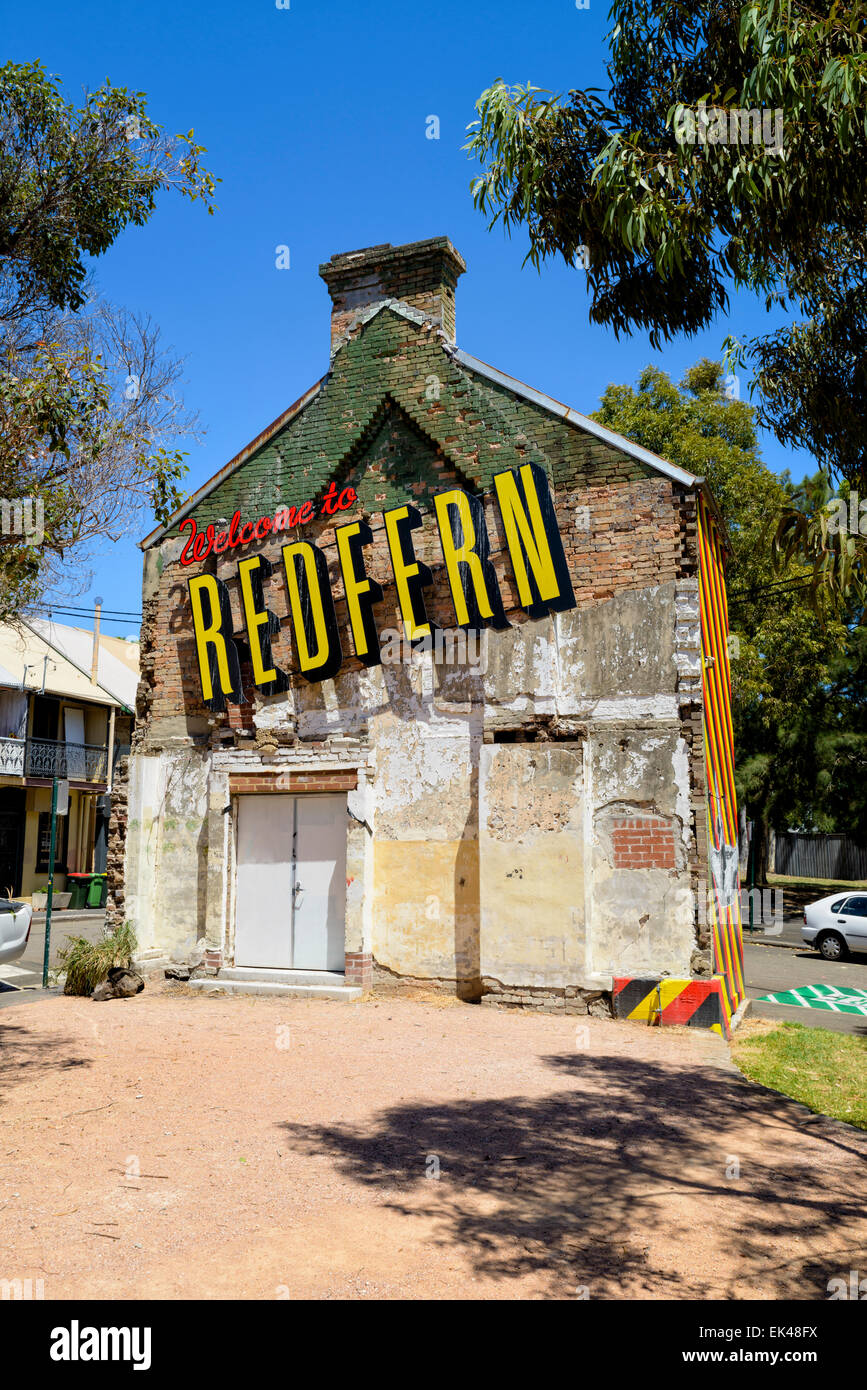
{"x":359,"y":969}
{"x":643,"y":842}
{"x":247,"y":783}
{"x":374,"y":428}
{"x":117,"y":833}
{"x":423,"y":275}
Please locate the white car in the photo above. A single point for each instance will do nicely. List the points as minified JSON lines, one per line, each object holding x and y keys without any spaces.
{"x":837,"y":924}
{"x":15,"y":921}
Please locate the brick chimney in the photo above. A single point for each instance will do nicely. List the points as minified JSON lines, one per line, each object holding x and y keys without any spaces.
{"x":422,"y":274}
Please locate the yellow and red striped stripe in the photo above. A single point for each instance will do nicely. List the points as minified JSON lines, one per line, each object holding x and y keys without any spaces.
{"x":722,"y":811}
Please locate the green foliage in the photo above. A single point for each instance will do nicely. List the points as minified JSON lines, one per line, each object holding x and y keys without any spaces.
{"x":165,"y":470}
{"x":73,"y":445}
{"x":799,"y":683}
{"x":71,"y":179}
{"x":810,"y":528}
{"x":670,"y":225}
{"x":88,"y":399}
{"x":87,"y":963}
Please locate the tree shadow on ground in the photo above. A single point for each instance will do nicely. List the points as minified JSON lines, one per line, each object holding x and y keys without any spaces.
{"x":575,"y":1186}
{"x":25,"y":1056}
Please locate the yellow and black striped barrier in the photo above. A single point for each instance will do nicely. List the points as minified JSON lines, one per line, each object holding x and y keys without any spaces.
{"x":693,"y":1003}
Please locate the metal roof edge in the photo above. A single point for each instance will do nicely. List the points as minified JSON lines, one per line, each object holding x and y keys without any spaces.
{"x":115,"y":699}
{"x":465,"y":359}
{"x":705,"y":489}
{"x":229,"y":468}
{"x":575,"y":417}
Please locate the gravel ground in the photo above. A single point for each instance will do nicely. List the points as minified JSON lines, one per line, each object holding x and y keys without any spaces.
{"x":184,"y":1146}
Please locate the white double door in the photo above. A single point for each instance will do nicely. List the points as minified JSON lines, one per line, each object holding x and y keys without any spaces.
{"x":291,"y":882}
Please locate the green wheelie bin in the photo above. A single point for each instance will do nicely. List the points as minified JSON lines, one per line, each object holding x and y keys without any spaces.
{"x":78,"y":885}
{"x":96,"y":893}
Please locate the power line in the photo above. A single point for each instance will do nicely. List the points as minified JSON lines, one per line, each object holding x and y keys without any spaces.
{"x":115,"y":614}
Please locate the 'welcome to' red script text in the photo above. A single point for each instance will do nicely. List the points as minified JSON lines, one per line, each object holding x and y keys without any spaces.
{"x":200,"y":544}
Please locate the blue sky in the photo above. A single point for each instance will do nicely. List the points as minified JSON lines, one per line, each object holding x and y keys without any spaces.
{"x":314,"y":118}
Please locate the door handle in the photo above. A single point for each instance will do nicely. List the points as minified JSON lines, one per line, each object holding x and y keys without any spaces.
{"x":842,"y":921}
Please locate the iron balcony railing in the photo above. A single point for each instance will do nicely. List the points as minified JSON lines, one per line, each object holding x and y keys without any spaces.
{"x":12,"y":752}
{"x":48,"y":757}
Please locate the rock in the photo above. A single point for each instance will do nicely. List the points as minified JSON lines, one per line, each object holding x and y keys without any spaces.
{"x":599,"y":1007}
{"x":122,"y":983}
{"x":177,"y":972}
{"x":126,"y":982}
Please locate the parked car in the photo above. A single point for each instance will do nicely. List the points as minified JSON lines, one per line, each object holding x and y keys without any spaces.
{"x":837,"y":924}
{"x":15,"y":922}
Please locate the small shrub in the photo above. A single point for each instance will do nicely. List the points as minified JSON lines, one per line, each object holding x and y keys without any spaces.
{"x":87,"y":963}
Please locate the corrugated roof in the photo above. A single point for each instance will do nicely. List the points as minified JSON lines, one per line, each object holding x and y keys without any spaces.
{"x":42,"y":650}
{"x":114,"y":676}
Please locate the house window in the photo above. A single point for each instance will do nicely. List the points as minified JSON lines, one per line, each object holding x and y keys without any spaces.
{"x":43,"y":843}
{"x":46,"y":714}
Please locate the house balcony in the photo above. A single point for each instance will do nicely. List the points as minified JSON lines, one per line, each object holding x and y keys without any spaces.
{"x":46,"y":758}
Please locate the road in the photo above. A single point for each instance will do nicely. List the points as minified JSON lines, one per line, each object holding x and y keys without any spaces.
{"x":769,"y":969}
{"x":26,"y":973}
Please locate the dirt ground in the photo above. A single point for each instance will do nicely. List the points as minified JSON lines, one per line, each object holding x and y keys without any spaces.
{"x":185,"y":1146}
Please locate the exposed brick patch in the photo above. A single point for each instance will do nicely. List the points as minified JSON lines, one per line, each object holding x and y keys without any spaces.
{"x":117,"y":833}
{"x":385,"y":981}
{"x":493,"y":993}
{"x":359,"y":968}
{"x":242,"y":716}
{"x":336,"y":780}
{"x":643,"y":842}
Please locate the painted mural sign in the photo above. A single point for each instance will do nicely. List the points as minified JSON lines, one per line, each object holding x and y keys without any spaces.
{"x":533,"y":542}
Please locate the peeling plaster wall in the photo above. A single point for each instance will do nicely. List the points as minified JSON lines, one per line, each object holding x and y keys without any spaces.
{"x":643,"y":919}
{"x":167,"y":858}
{"x":425,"y":906}
{"x":479,"y":844}
{"x":584,"y":660}
{"x":467,"y":858}
{"x":532,"y":864}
